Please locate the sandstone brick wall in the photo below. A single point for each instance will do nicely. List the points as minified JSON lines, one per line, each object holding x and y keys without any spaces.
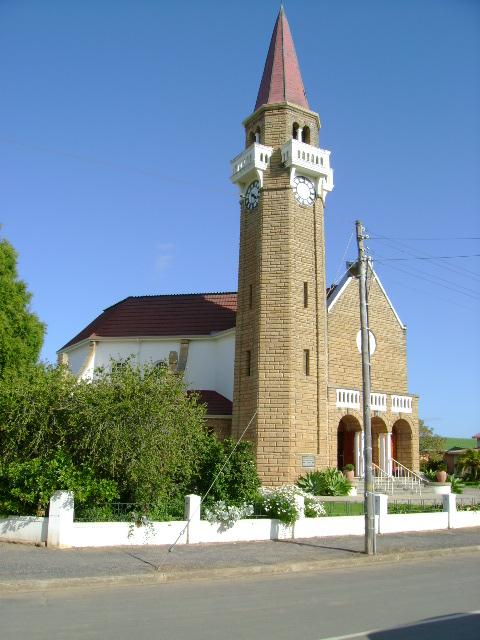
{"x":389,"y":362}
{"x":281,"y":247}
{"x":388,"y":372}
{"x":222,"y":427}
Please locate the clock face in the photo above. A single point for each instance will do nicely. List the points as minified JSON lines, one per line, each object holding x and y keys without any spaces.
{"x":304,"y":190}
{"x":252,"y":195}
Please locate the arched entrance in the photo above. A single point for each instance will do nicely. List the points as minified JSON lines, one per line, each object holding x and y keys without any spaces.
{"x":402,"y":443}
{"x":349,"y":444}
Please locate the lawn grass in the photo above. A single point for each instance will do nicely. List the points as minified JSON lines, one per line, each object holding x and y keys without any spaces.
{"x":461,"y":443}
{"x":344,"y":508}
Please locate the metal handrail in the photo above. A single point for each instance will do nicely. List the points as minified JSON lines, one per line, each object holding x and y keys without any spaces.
{"x":379,"y":473}
{"x":415,"y":479}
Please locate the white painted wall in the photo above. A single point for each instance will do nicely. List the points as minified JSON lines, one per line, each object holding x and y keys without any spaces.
{"x":116,"y":534}
{"x":210,"y":364}
{"x":24,"y":529}
{"x":210,"y":361}
{"x":76,"y":357}
{"x":225,"y":360}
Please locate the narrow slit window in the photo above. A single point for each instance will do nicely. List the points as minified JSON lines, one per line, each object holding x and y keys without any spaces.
{"x":248,"y":363}
{"x":306,"y":362}
{"x":305,"y":294}
{"x":250,"y":296}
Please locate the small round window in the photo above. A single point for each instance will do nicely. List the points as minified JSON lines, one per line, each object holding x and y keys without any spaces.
{"x":372,"y":342}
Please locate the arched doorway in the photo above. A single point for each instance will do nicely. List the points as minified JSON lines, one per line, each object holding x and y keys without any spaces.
{"x":349,"y":444}
{"x":402,"y":443}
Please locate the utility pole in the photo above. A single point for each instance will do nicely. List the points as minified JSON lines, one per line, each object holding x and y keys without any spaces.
{"x":370,"y":542}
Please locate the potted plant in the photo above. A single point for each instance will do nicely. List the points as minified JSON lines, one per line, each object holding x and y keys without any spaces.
{"x":441,"y":473}
{"x":349,"y":472}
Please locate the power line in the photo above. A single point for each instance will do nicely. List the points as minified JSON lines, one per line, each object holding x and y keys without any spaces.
{"x":426,"y":239}
{"x":431,"y":278}
{"x":470,"y":255}
{"x":415,"y":253}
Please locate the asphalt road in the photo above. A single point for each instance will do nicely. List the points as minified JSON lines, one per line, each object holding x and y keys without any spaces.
{"x":435,"y":598}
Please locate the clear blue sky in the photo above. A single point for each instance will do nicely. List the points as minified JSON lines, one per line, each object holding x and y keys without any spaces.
{"x":118,"y":120}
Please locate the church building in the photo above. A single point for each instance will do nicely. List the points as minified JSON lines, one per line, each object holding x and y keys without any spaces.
{"x":278,"y":361}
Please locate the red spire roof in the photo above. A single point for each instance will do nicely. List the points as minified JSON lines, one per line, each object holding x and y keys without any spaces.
{"x":281,"y":80}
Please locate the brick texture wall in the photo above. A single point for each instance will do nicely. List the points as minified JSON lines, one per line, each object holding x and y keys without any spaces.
{"x":388,"y":369}
{"x":281,"y":247}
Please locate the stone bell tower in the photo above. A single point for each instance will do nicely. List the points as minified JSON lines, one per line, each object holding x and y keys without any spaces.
{"x":281,"y":350}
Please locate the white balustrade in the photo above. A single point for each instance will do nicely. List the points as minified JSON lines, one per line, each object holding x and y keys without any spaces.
{"x":348,"y":398}
{"x":246,"y":164}
{"x":401,"y":404}
{"x":310,"y":160}
{"x":378,"y":401}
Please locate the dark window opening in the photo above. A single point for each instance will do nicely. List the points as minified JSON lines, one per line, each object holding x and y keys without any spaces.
{"x":306,"y":362}
{"x":250,"y":296}
{"x":305,"y":294}
{"x":306,"y":135}
{"x":249,"y":363}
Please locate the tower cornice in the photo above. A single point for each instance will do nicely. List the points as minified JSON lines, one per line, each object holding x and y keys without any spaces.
{"x":278,"y":106}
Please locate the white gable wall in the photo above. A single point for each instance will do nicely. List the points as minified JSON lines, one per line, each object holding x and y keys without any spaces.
{"x":209,"y":365}
{"x":77,"y":356}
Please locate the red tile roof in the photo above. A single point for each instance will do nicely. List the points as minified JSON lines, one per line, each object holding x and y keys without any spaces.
{"x":188,"y":314}
{"x":281,"y":80}
{"x":217,"y":405}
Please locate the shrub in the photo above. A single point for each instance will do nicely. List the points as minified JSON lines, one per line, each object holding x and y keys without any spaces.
{"x":349,"y":467}
{"x":26,"y":487}
{"x":314,"y":507}
{"x":469,"y":464}
{"x":457,"y":485}
{"x":329,"y":482}
{"x":238,"y":483}
{"x":280,"y":503}
{"x":225,"y":515}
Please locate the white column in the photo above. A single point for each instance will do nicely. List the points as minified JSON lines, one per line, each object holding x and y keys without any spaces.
{"x":257,"y":137}
{"x":382,"y":452}
{"x":358,"y":451}
{"x":192,"y":515}
{"x":299,"y":134}
{"x":389,"y":454}
{"x":60,"y":519}
{"x":450,"y":505}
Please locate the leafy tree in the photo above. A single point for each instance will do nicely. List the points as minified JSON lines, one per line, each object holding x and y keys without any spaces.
{"x":21,"y":332}
{"x":134,"y":426}
{"x":469,"y":464}
{"x":429,"y":442}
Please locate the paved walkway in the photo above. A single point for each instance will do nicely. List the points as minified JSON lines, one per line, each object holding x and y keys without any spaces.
{"x":30,"y":567}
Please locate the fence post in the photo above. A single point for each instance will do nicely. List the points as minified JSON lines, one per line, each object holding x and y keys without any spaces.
{"x":381,"y":509}
{"x":60,"y":519}
{"x":192,"y":515}
{"x":450,"y":505}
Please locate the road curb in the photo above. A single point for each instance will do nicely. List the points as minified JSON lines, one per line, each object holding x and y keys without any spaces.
{"x":220,"y":573}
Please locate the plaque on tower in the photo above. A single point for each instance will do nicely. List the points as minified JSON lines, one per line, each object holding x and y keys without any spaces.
{"x":308,"y":461}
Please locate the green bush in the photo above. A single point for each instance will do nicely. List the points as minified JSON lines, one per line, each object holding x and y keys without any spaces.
{"x":26,"y":487}
{"x":457,"y":485}
{"x":238,"y":483}
{"x":469,"y":465}
{"x":329,"y":482}
{"x":136,"y":427}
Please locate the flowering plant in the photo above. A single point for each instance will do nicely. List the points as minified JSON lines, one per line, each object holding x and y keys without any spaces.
{"x":280,"y":503}
{"x":225,"y":515}
{"x":314,"y":507}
